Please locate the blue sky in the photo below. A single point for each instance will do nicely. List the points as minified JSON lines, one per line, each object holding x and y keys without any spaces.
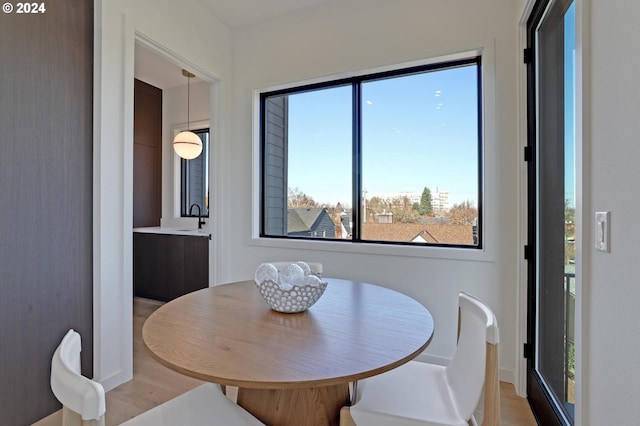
{"x":419,"y":130}
{"x":569,"y":105}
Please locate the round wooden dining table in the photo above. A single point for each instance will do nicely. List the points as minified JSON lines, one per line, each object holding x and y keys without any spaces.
{"x":290,"y":368}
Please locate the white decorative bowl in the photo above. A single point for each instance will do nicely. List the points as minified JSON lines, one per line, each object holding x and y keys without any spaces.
{"x":293,"y":287}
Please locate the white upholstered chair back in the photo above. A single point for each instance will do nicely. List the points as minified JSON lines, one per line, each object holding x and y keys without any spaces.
{"x":466,"y":372}
{"x":82,"y":399}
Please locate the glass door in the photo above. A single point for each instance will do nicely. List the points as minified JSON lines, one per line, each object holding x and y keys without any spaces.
{"x":550,"y":152}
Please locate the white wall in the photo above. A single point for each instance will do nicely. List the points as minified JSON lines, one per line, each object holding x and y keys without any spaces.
{"x":188,"y":33}
{"x":342,"y":37}
{"x":610,"y":361}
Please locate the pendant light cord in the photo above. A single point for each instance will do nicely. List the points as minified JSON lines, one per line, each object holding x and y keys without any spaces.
{"x":189,"y":76}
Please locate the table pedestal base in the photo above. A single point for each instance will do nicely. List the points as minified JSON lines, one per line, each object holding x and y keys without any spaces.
{"x":296,"y":407}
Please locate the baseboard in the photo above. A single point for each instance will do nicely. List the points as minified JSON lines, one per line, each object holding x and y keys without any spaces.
{"x":114,"y":380}
{"x":433,"y":359}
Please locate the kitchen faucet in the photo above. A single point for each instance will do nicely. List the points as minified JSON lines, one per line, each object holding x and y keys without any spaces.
{"x":200,"y":219}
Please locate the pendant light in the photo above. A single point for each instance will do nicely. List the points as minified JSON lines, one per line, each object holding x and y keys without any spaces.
{"x":187,"y":144}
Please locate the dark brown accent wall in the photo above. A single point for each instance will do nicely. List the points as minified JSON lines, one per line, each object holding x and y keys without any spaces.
{"x":46,"y":175}
{"x":147,"y":155}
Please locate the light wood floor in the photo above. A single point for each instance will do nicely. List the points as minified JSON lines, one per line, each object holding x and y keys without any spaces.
{"x":153,"y":384}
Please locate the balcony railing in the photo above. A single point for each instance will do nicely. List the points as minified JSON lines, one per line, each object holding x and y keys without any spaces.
{"x":569,"y":337}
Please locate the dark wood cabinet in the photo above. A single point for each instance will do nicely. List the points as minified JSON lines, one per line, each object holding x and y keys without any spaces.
{"x":169,"y":266}
{"x":147,"y":155}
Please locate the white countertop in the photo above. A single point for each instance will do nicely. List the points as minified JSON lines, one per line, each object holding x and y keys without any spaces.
{"x":174,"y":231}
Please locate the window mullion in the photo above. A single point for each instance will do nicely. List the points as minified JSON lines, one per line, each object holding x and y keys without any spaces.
{"x":478,"y":228}
{"x":185,"y":186}
{"x":357,"y":162}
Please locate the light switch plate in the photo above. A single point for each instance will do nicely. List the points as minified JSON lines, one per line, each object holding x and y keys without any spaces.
{"x":602,"y":231}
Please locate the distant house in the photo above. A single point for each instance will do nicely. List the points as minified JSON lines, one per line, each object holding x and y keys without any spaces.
{"x":310,"y":222}
{"x":342,"y":220}
{"x":419,"y":233}
{"x":345,"y":224}
{"x":385,"y":217}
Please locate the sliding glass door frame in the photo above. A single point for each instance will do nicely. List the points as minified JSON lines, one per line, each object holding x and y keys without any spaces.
{"x":546,"y":162}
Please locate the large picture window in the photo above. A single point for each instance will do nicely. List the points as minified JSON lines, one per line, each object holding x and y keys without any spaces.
{"x":391,"y":157}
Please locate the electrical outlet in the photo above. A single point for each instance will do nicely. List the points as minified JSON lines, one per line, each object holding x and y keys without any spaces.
{"x":602,"y":231}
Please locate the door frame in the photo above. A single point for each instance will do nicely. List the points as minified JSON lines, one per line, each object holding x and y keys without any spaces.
{"x":526,"y":304}
{"x":542,"y":403}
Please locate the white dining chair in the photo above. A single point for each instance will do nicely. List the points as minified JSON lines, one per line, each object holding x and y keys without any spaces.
{"x":203,"y":405}
{"x":83,"y":399}
{"x":419,"y":393}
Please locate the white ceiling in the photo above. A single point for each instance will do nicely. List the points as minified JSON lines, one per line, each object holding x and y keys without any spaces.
{"x":154,"y":69}
{"x":164,"y":74}
{"x":237,"y":13}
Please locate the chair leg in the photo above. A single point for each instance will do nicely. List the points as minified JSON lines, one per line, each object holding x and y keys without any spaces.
{"x":345,"y":417}
{"x":491,"y":415}
{"x":70,"y":418}
{"x":98,"y":422}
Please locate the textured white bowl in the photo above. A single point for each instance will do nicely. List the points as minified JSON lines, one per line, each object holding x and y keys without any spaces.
{"x":298,"y":299}
{"x":283,"y":295}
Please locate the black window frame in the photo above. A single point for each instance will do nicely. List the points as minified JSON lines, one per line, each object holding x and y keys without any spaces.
{"x":356,"y":84}
{"x":184,"y":172}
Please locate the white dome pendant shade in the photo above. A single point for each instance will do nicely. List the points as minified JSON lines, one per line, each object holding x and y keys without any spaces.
{"x":187,"y":144}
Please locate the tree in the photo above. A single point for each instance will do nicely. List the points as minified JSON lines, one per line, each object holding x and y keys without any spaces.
{"x":426,"y":204}
{"x":402,"y":210}
{"x":378,"y":205}
{"x":297,"y":198}
{"x":462,"y":214}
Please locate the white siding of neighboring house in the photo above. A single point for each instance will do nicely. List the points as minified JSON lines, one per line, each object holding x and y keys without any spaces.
{"x":275,"y":150}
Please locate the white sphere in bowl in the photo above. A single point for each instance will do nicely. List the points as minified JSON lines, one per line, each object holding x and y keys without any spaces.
{"x":305,"y":267}
{"x":311,"y":280}
{"x":291,"y":275}
{"x":266,"y":272}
